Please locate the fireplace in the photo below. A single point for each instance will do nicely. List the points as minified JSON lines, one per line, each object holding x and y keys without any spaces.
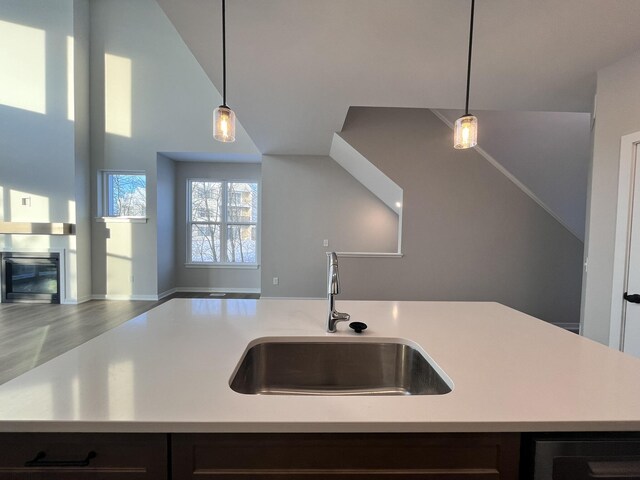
{"x":30,"y":277}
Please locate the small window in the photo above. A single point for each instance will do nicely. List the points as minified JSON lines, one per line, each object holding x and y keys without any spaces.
{"x":223,"y":218}
{"x":124,"y":194}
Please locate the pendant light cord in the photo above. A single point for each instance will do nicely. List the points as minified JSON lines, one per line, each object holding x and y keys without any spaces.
{"x":224,"y":57}
{"x":466,"y":106}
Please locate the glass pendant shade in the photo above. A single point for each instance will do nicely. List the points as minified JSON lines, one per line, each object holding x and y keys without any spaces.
{"x":224,"y":124}
{"x":465,"y":132}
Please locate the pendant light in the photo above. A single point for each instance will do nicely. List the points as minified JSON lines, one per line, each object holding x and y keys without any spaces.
{"x":465,"y":132}
{"x":224,"y":120}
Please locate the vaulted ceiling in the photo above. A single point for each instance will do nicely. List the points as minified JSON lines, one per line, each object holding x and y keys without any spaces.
{"x":295,"y":66}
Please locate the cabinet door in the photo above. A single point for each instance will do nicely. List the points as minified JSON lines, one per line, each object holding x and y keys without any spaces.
{"x":345,"y":456}
{"x":53,"y":456}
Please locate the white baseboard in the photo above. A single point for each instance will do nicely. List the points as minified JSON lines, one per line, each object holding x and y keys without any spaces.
{"x":76,"y":301}
{"x":166,"y":293}
{"x":125,"y":297}
{"x":171,"y":292}
{"x":567,"y":326}
{"x":84,"y":299}
{"x":216,"y":290}
{"x":293,"y":298}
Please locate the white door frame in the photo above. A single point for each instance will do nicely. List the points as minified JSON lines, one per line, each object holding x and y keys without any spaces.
{"x":627,"y":170}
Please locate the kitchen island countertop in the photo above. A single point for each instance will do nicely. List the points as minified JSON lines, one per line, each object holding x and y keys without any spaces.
{"x":168,"y":370}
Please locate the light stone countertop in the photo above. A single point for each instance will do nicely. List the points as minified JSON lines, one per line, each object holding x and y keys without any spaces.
{"x":168,"y":370}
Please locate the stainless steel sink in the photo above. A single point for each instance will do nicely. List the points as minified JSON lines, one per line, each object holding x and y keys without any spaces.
{"x":336,"y":368}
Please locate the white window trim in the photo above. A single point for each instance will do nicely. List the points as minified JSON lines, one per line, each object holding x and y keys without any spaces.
{"x":103,"y":200}
{"x":121,"y":219}
{"x":230,"y":265}
{"x":239,"y":266}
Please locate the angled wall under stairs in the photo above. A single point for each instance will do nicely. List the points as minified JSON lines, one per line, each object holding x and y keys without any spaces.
{"x":468,"y":232}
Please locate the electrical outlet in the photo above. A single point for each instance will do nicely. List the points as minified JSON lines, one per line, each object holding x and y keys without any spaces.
{"x":325,"y":243}
{"x":276,"y":281}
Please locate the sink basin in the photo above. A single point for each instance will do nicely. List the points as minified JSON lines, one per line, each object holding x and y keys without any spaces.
{"x":386,"y":367}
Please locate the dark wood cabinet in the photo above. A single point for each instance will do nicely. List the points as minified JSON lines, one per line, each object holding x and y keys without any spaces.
{"x":345,"y":456}
{"x":109,"y":456}
{"x":310,"y":456}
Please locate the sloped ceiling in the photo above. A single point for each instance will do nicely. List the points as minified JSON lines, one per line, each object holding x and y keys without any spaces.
{"x":548,"y":152}
{"x":295,"y":66}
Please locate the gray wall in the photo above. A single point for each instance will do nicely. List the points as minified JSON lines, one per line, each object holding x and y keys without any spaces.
{"x":214,"y":278}
{"x":169,"y":109}
{"x":44,"y":144}
{"x":468,"y":232}
{"x":617,"y":114}
{"x":37,"y":147}
{"x":166,"y":224}
{"x":81,"y":19}
{"x":305,"y":200}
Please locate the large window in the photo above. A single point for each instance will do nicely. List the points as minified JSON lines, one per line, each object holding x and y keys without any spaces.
{"x":222,"y":225}
{"x":124,"y":194}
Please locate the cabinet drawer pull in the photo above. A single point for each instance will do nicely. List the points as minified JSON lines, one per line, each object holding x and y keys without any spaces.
{"x":39,"y":461}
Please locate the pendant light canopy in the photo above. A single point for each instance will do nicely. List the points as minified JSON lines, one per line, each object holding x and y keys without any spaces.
{"x":465,"y":132}
{"x":224,"y":119}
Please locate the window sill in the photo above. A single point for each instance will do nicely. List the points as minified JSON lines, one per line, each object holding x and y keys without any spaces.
{"x":238,"y":266}
{"x":122,"y":219}
{"x":370,"y":254}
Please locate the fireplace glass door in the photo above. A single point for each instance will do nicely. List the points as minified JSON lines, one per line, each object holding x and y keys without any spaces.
{"x":30,"y":278}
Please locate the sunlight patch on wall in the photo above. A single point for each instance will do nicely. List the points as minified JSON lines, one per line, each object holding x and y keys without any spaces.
{"x":23,"y":60}
{"x":117,"y":95}
{"x":71,"y":280}
{"x":71,"y":208}
{"x":27,"y":207}
{"x":70,"y":79}
{"x":119,"y":264}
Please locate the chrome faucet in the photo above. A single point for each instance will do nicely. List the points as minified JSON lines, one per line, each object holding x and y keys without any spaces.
{"x":333,"y":288}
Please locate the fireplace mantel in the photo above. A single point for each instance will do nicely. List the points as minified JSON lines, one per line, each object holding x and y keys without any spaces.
{"x":26,"y":228}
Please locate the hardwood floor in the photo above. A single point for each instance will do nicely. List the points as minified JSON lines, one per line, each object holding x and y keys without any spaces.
{"x":31,"y":334}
